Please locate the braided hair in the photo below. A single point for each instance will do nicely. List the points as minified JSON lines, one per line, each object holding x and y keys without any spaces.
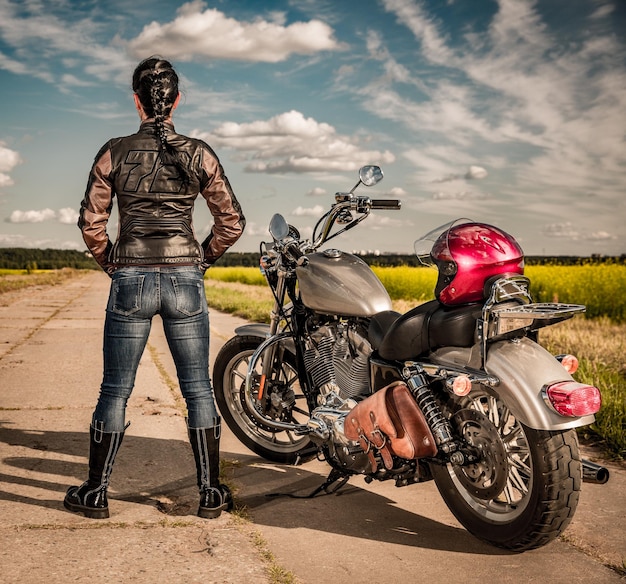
{"x":156,"y":84}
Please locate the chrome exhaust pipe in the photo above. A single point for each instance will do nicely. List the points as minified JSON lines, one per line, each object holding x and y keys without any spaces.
{"x":594,"y":473}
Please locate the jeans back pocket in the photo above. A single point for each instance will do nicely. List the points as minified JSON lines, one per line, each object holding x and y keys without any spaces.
{"x":126,"y":294}
{"x":189,"y":293}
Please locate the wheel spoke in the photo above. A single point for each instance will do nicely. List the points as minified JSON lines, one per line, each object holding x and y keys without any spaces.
{"x":515,"y":432}
{"x":521,"y":479}
{"x":505,"y":414}
{"x":492,"y":408}
{"x":520,"y":466}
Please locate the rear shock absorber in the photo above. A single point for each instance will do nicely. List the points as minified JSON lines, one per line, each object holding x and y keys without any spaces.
{"x":439,"y":425}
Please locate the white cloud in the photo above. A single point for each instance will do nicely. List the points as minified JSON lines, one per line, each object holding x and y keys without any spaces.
{"x":255,"y":230}
{"x":473,"y":173}
{"x":289,"y":142}
{"x":417,"y":21}
{"x":32,"y":216}
{"x":9,"y":159}
{"x":18,"y":240}
{"x":386,"y":219}
{"x":317,"y":192}
{"x":459,"y":196}
{"x":397,"y":192}
{"x":203,"y":32}
{"x":38,"y":36}
{"x":599,"y":236}
{"x":565,"y":230}
{"x":66,"y":215}
{"x":476,"y":173}
{"x":308,"y":212}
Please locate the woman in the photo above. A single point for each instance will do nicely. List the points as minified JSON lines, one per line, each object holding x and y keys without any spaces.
{"x":157,"y":267}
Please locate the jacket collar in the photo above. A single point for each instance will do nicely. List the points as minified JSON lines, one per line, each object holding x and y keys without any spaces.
{"x":149,"y":126}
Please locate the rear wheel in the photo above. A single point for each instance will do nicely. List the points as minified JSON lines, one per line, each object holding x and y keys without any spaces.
{"x":524,"y":490}
{"x":284,"y":402}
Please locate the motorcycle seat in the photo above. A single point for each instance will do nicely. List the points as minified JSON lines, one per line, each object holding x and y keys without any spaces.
{"x":425,"y":328}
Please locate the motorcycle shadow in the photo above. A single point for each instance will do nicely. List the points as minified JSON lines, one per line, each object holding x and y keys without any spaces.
{"x":276,"y":495}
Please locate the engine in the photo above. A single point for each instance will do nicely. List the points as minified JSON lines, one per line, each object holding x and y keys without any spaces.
{"x":337,"y":359}
{"x":326,"y":426}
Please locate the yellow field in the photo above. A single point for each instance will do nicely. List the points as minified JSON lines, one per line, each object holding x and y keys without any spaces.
{"x":601,"y":287}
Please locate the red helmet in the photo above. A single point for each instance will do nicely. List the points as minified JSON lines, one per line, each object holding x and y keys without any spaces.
{"x":467,"y":255}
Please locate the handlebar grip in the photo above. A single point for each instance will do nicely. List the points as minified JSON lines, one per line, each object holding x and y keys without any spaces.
{"x":386,"y":204}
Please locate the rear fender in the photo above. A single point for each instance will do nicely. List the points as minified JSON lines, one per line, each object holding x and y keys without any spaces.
{"x":524,"y":368}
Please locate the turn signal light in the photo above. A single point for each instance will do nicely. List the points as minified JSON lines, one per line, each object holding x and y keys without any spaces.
{"x":461,"y":385}
{"x":569,"y":362}
{"x":573,"y":399}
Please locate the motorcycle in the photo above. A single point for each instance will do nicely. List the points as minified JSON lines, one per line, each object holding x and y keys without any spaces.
{"x":456,"y":390}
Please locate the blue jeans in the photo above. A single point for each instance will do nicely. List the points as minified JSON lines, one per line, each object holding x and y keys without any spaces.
{"x":137,"y":294}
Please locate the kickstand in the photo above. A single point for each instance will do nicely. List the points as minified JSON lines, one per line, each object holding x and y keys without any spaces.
{"x":335,"y":476}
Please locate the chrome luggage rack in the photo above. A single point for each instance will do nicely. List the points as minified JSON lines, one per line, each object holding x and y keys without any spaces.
{"x":530,"y":316}
{"x":510,"y":312}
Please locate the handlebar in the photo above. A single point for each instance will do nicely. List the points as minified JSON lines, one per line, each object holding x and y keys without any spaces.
{"x":386,"y":204}
{"x":349,"y":202}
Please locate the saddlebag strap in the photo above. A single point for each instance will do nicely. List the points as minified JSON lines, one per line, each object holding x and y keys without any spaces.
{"x":390,"y":421}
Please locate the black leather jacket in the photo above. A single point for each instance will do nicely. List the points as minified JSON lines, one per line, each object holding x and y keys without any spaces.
{"x":155,"y":206}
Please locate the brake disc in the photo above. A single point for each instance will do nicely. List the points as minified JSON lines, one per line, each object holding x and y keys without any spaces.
{"x":486,"y":478}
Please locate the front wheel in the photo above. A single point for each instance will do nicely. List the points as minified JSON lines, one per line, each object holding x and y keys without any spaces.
{"x":283,"y":401}
{"x":524,"y":490}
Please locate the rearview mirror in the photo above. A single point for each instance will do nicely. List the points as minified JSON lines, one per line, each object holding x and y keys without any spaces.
{"x":370,"y":175}
{"x":278,"y":227}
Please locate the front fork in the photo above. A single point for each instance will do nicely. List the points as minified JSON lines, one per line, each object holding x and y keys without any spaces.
{"x":453,"y":450}
{"x":275,"y":318}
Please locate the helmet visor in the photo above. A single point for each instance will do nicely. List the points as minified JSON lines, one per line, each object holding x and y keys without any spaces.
{"x":424,"y":246}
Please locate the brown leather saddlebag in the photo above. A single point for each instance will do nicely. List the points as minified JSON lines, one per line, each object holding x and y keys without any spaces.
{"x":390,"y":421}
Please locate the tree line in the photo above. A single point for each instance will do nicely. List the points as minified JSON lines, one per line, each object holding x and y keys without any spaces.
{"x":16,"y":258}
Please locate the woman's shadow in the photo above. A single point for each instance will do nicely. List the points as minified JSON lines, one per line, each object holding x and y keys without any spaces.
{"x":161,"y":473}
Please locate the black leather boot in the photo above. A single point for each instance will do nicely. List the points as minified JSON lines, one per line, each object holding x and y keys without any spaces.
{"x":214,"y":497}
{"x":90,"y":498}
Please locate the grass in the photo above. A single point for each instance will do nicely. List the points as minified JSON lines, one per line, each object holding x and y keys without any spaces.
{"x":250,"y":302}
{"x":12,"y":280}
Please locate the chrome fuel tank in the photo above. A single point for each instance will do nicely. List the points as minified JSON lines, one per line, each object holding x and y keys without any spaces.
{"x":335,"y":282}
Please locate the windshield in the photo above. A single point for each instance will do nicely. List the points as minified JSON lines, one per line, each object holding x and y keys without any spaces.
{"x":424,"y":245}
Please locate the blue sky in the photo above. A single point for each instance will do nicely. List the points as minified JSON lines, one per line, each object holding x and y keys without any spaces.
{"x":511,"y":112}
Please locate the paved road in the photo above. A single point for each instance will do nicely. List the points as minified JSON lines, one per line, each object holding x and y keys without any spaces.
{"x":50,"y":367}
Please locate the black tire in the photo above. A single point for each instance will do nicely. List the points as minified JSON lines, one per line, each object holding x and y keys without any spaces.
{"x":524,"y":491}
{"x":229,"y":371}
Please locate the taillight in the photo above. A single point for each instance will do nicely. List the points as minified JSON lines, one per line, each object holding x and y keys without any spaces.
{"x":569,"y":362}
{"x":573,"y":399}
